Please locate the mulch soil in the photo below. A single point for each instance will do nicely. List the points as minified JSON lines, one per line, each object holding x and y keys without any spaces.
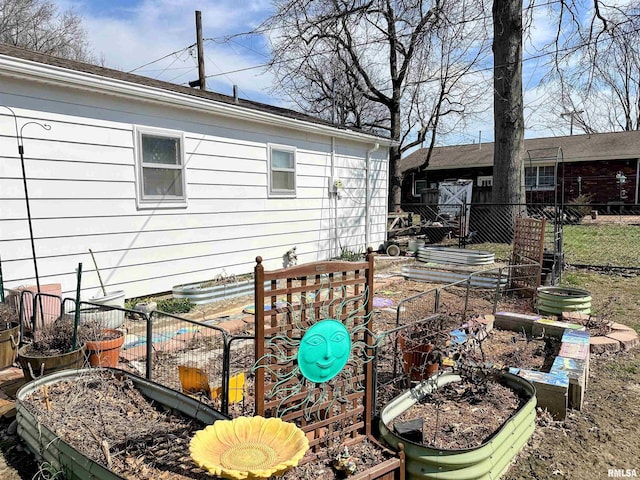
{"x":106,"y":419}
{"x":509,"y":349}
{"x":463,"y":414}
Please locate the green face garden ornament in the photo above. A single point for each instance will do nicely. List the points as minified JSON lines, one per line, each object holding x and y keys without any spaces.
{"x":324,"y":351}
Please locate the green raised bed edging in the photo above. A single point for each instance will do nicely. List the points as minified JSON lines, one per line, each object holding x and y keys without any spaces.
{"x":555,"y":300}
{"x":488,"y":461}
{"x":47,"y":446}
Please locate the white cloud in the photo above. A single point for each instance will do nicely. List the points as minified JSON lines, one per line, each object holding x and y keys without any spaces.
{"x":130,"y":34}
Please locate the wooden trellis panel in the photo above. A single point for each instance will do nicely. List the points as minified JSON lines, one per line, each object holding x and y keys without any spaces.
{"x":336,"y":411}
{"x":528,"y":248}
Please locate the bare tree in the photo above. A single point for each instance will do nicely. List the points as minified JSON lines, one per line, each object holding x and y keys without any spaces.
{"x":598,"y":81}
{"x":39,"y":25}
{"x":397,"y":67}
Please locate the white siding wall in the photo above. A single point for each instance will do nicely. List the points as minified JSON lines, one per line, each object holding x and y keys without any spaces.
{"x":81,"y":180}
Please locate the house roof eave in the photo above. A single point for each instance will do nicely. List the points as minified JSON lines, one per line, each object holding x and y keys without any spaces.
{"x":66,"y":77}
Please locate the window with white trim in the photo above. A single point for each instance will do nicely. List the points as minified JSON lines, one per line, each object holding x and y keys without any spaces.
{"x":485,"y":181}
{"x":282,"y":171}
{"x":161,"y":172}
{"x":540,"y":177}
{"x":418,"y":187}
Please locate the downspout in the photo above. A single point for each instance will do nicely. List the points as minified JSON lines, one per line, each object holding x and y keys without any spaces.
{"x":367,"y":201}
{"x":336,"y":253}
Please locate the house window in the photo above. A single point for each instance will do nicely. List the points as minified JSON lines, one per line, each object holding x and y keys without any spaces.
{"x":485,"y":181}
{"x":160,"y":168}
{"x":418,"y":187}
{"x":282,"y":171}
{"x":540,"y":178}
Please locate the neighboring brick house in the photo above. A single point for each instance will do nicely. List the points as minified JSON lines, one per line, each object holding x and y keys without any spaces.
{"x":586,"y":164}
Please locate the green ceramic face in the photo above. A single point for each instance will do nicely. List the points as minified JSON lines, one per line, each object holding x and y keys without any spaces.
{"x":324,"y":351}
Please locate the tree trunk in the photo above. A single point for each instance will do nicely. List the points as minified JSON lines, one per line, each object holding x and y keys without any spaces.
{"x":508,"y":116}
{"x":395,"y":174}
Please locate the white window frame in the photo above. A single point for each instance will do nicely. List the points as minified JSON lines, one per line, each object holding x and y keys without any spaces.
{"x":282,"y":193}
{"x":159,"y":201}
{"x":416,"y":193}
{"x":537,"y":186}
{"x":480,"y":181}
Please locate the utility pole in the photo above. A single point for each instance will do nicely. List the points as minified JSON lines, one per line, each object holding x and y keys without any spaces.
{"x":571,"y":114}
{"x":202,"y":79}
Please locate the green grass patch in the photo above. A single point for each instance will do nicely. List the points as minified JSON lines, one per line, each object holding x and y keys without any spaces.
{"x":614,"y":296}
{"x":615,"y":245}
{"x":502,"y":251}
{"x":624,"y":368}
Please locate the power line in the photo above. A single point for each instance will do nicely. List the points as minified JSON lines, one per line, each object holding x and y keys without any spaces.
{"x":162,"y":58}
{"x":231,"y":37}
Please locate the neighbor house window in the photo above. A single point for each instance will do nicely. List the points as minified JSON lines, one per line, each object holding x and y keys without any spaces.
{"x":540,"y":177}
{"x":418,"y":187}
{"x":485,"y":181}
{"x":160,"y":168}
{"x":282,"y":171}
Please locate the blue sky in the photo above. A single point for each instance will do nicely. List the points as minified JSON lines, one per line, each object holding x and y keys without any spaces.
{"x":131,"y":33}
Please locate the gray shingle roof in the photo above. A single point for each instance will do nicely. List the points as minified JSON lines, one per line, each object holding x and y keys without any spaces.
{"x":29,"y":55}
{"x":600,"y":146}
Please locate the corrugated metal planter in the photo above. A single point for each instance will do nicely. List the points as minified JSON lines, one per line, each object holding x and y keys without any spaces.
{"x":477,"y":280}
{"x":199,"y":295}
{"x":555,"y":300}
{"x":455,"y":256}
{"x":76,"y":466}
{"x":488,"y":461}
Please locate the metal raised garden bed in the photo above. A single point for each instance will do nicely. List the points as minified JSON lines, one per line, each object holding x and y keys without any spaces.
{"x":488,"y":461}
{"x":47,"y":446}
{"x":455,"y":256}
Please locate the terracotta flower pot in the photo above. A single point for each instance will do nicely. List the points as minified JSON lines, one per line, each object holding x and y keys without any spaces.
{"x":414,"y":358}
{"x":105,"y":353}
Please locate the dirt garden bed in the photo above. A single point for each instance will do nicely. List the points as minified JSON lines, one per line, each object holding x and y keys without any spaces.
{"x":108,"y":420}
{"x":463,"y":415}
{"x":504,"y":349}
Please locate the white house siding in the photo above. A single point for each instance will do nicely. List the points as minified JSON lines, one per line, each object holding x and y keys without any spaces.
{"x":82,"y":189}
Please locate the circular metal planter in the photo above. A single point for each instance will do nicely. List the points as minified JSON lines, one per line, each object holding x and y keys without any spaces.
{"x":488,"y":461}
{"x":48,"y":446}
{"x":555,"y":300}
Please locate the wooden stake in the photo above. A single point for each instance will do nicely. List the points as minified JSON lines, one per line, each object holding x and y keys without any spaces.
{"x":45,"y":390}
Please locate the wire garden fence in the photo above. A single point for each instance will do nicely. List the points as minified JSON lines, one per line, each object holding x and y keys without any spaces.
{"x":197,"y":358}
{"x":205,"y":361}
{"x":428,"y":325}
{"x":584,"y":235}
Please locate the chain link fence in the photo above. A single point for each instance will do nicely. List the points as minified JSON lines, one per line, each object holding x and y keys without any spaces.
{"x":583,"y":235}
